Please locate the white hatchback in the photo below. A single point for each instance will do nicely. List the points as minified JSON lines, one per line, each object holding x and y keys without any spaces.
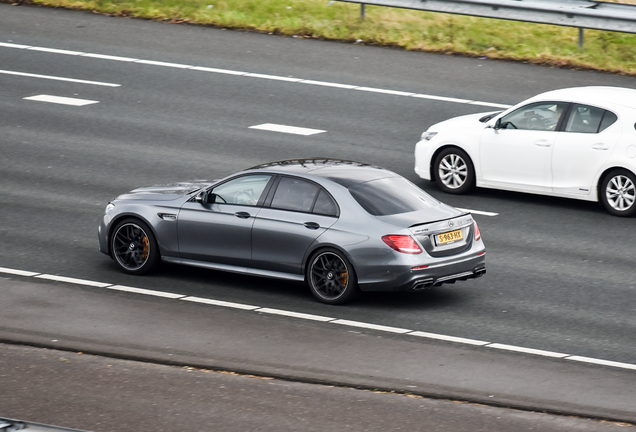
{"x":576,"y":143}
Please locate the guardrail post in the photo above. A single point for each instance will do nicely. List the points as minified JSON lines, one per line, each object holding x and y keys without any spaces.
{"x":581,"y":37}
{"x":362,"y":5}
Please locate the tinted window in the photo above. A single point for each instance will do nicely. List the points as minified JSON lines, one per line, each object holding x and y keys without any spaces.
{"x":609,"y":118}
{"x":391,"y":196}
{"x":245,"y":190}
{"x":295,"y":194}
{"x":325,"y":205}
{"x":584,"y":119}
{"x":542,"y":116}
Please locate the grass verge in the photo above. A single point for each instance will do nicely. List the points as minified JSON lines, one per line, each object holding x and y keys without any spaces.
{"x":407,"y":29}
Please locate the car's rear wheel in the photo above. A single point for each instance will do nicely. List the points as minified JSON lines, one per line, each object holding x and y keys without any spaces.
{"x":134,"y":247}
{"x":453,"y":171}
{"x":331,"y":277}
{"x":618,"y":192}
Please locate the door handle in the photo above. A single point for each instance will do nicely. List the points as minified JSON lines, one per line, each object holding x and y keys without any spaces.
{"x":600,"y":146}
{"x":311,"y":225}
{"x":242,"y":215}
{"x":543,"y":143}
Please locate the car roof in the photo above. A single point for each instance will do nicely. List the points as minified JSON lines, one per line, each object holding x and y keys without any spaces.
{"x":344,"y":172}
{"x":591,"y":94}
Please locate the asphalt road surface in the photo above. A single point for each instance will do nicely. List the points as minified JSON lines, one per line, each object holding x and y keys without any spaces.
{"x":156,"y":103}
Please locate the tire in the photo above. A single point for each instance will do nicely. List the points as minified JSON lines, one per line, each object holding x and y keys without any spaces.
{"x":453,"y":171}
{"x":617,"y":193}
{"x":134,"y":247}
{"x":331,"y":277}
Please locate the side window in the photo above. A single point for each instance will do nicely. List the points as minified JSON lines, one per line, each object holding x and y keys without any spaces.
{"x":244,"y":190}
{"x":325,"y":205}
{"x":543,"y":116}
{"x":295,"y":194}
{"x":589,"y":119}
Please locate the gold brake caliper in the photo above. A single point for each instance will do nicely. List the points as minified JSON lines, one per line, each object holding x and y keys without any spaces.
{"x":146,"y":247}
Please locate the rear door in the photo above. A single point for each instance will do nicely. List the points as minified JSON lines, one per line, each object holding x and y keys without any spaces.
{"x":299,"y":211}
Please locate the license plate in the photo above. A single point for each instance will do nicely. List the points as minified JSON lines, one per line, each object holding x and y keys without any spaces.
{"x":449,"y":237}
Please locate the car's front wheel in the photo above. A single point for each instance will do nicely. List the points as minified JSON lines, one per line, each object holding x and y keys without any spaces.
{"x":453,"y":171}
{"x":331,"y":277}
{"x":134,"y":247}
{"x":618,"y":192}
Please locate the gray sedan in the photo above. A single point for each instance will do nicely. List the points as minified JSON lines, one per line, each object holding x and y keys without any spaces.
{"x":339,"y":226}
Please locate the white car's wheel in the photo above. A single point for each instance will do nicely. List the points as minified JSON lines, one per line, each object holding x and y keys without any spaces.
{"x":618,"y":192}
{"x":453,"y":171}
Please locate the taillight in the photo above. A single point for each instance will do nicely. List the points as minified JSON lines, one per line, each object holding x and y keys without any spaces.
{"x":477,"y":233}
{"x":402,"y":243}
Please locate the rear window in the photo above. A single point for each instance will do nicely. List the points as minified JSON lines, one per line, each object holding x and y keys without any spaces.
{"x":390,"y":196}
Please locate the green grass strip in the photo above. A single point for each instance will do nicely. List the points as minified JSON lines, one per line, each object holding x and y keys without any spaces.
{"x":390,"y":27}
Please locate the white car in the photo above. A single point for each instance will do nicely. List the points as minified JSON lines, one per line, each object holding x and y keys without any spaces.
{"x":576,"y":143}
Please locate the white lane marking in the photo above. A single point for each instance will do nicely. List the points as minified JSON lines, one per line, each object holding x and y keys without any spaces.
{"x":12,"y":45}
{"x":370,"y":326}
{"x":329,"y":84}
{"x":527,"y":350}
{"x":448,"y":338}
{"x":273,"y":77}
{"x":299,"y":315}
{"x":61,"y":100}
{"x":55,"y":51}
{"x":221,"y":71}
{"x":145,"y":291}
{"x":602,"y":362}
{"x":287,"y":129}
{"x":479,"y":212}
{"x":377,"y":90}
{"x":17,"y":272}
{"x":219,"y":303}
{"x":159,"y":63}
{"x":30,"y":75}
{"x":295,"y":314}
{"x":110,"y":57}
{"x":257,"y":75}
{"x":72,"y":280}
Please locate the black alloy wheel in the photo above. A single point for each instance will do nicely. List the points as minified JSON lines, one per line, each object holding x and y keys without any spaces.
{"x":134,"y":247}
{"x":331,"y":277}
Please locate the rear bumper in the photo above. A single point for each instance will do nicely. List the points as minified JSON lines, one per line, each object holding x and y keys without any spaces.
{"x":408,"y":279}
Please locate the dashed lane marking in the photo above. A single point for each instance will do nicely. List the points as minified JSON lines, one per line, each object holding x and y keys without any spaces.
{"x":287,"y":129}
{"x":61,"y":100}
{"x":479,"y":212}
{"x":298,"y":315}
{"x":255,"y":75}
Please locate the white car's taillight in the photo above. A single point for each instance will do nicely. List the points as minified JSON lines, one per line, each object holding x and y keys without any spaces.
{"x":477,"y":233}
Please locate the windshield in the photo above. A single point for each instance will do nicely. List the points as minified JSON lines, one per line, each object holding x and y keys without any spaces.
{"x":390,"y":196}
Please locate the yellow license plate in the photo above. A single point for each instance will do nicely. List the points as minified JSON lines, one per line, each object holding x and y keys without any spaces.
{"x":449,"y":237}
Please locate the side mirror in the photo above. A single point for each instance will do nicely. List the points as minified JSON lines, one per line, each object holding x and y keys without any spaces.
{"x":498,"y":124}
{"x":203,"y":197}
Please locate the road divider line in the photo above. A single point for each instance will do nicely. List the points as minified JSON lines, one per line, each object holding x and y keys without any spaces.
{"x":448,"y":338}
{"x":295,"y":314}
{"x":299,"y":315}
{"x":61,"y":100}
{"x":370,"y":326}
{"x":256,"y":75}
{"x":145,"y":291}
{"x":526,"y":350}
{"x":287,"y":129}
{"x":73,"y":280}
{"x":479,"y":212}
{"x":219,"y":303}
{"x":50,"y":77}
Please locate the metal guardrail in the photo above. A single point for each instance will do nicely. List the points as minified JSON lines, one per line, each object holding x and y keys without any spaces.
{"x":584,"y":14}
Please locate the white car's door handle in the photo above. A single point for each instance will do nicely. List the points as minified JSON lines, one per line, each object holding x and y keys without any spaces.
{"x":543,"y":143}
{"x":600,"y":146}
